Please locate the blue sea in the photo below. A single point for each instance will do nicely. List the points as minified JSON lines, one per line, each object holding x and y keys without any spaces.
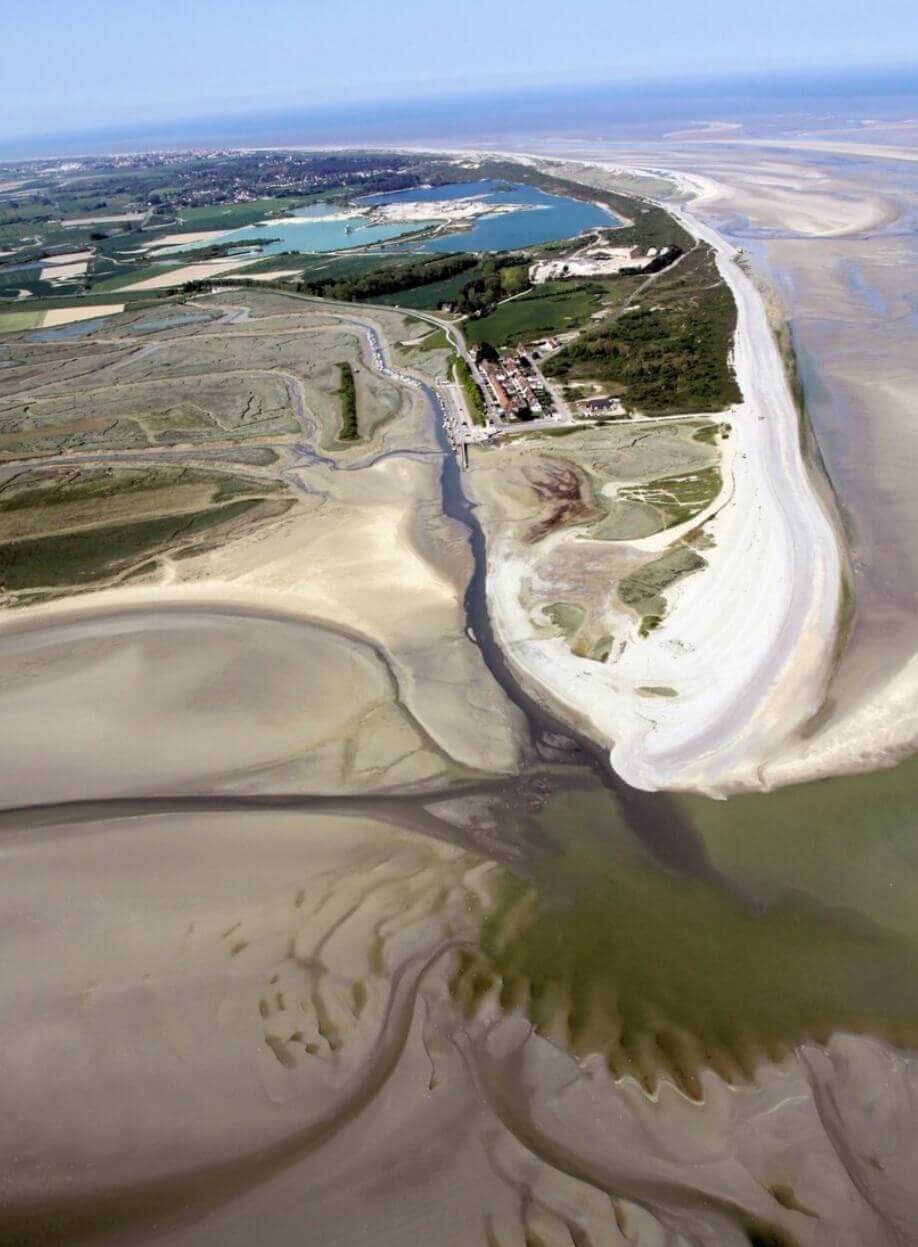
{"x":624,"y":110}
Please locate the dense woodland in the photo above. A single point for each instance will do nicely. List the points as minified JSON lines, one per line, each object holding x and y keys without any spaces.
{"x":382,"y":281}
{"x":498,"y":277}
{"x":662,"y":359}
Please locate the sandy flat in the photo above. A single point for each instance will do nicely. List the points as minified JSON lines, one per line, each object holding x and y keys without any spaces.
{"x":871,"y":151}
{"x":189,"y":272}
{"x":120,"y":676}
{"x":67,"y":315}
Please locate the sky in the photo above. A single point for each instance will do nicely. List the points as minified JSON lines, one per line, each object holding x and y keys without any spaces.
{"x":70,"y":64}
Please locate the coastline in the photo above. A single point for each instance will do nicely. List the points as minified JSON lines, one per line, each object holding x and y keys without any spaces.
{"x":750,"y":643}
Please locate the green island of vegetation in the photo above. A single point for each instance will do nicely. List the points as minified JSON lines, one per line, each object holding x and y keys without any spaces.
{"x":347,"y":396}
{"x":643,"y":589}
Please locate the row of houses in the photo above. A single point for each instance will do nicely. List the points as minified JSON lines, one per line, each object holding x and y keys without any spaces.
{"x":510,"y":382}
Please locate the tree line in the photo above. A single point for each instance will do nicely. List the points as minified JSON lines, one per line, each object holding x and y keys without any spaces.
{"x":380,"y":281}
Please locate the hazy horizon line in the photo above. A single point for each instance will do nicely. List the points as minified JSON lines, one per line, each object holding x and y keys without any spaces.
{"x":893,"y":80}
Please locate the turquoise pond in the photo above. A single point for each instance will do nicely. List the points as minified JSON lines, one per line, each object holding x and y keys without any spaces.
{"x":540,"y":218}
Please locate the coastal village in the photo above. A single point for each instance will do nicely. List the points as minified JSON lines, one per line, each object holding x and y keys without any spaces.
{"x":517,"y":391}
{"x":514,"y":388}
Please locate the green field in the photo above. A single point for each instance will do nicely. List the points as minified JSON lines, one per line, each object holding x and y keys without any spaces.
{"x":429,"y":297}
{"x":549,"y":309}
{"x":16,"y":322}
{"x":230,"y":216}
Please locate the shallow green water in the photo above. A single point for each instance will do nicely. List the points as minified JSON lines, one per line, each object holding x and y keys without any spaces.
{"x":803,"y":921}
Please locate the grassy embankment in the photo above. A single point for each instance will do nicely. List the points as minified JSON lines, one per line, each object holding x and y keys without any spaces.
{"x":347,"y":396}
{"x":436,"y":340}
{"x":472,"y":391}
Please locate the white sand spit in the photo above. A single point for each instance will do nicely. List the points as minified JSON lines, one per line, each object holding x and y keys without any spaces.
{"x":748,"y":642}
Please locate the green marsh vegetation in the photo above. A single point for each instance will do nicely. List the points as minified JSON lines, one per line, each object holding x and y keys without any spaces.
{"x":664,"y":974}
{"x":644,"y":588}
{"x":676,"y":498}
{"x":74,"y":527}
{"x":347,"y":397}
{"x":78,"y":558}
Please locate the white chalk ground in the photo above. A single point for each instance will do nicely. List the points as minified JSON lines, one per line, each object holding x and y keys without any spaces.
{"x":64,"y":272}
{"x":188,"y":272}
{"x":103,"y":220}
{"x":273,"y":276}
{"x":68,"y":257}
{"x":179,"y":240}
{"x":67,"y":315}
{"x":453,"y":211}
{"x":748,"y":642}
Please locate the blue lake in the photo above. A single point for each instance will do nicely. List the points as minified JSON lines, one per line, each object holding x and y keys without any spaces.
{"x":538,"y":218}
{"x":541,"y":218}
